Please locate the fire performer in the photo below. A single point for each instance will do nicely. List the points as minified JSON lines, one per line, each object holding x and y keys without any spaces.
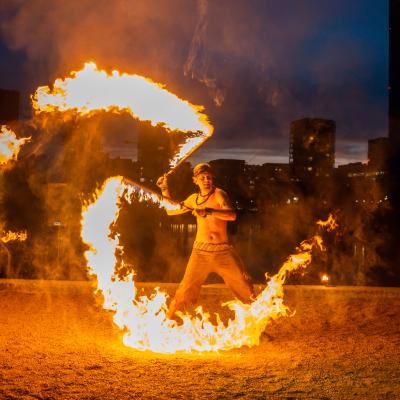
{"x":212,"y":251}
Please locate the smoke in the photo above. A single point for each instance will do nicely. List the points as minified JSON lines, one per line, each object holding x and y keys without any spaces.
{"x":43,"y":193}
{"x":198,"y":63}
{"x":263,"y":65}
{"x":60,"y":37}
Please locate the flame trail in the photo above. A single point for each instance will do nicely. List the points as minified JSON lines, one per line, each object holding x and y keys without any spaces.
{"x":9,"y":144}
{"x":144,"y":318}
{"x":90,"y":90}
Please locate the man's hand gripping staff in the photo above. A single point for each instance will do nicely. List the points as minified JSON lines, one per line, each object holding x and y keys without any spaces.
{"x":162,"y":183}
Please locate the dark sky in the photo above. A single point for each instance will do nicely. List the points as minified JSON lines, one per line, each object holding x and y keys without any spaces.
{"x":256,"y":65}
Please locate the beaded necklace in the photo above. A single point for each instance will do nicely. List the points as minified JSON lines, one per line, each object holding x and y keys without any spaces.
{"x":207,"y":196}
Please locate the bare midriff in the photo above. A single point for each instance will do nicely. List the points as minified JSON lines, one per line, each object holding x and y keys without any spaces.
{"x":210,"y":229}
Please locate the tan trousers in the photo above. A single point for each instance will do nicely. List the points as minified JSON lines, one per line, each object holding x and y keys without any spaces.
{"x":206,"y":258}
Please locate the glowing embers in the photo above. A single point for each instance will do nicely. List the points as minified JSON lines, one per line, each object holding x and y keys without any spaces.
{"x":91,"y":89}
{"x":9,"y":144}
{"x":144,"y":318}
{"x":325,"y":279}
{"x":329,"y":224}
{"x":13,"y":236}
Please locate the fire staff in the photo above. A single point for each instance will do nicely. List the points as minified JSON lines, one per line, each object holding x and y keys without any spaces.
{"x":212,"y":251}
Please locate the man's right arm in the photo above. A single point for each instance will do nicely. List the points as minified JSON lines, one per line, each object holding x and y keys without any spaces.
{"x":171,"y":206}
{"x":162,"y":183}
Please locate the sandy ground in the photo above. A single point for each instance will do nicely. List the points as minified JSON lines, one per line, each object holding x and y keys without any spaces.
{"x":57,"y":343}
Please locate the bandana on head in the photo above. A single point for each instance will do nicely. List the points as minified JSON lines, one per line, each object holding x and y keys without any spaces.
{"x":201,"y":169}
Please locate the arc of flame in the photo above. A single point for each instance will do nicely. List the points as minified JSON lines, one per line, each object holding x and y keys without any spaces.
{"x":9,"y":144}
{"x":90,"y":90}
{"x":144,"y":319}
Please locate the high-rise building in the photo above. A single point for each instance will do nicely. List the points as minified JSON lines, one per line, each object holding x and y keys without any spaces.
{"x":228,"y":171}
{"x":154,"y":152}
{"x":378,"y":151}
{"x":274,"y":172}
{"x":9,"y":106}
{"x":231,"y":175}
{"x":312,"y":148}
{"x":352,"y":170}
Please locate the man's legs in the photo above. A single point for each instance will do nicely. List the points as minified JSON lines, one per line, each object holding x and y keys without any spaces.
{"x":197,"y":270}
{"x":230,"y":267}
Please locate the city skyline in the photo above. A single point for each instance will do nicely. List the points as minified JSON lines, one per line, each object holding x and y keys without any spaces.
{"x":255,"y":66}
{"x":249,"y":155}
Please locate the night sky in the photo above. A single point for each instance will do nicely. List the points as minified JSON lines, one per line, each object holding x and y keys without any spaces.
{"x":255,"y":65}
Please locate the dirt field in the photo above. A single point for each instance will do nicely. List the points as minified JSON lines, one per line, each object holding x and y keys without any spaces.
{"x":57,"y":343}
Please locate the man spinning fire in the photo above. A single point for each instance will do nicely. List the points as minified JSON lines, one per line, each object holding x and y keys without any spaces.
{"x":211,"y":249}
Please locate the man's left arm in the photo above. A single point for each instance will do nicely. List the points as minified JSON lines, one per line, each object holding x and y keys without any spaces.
{"x":225,"y":211}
